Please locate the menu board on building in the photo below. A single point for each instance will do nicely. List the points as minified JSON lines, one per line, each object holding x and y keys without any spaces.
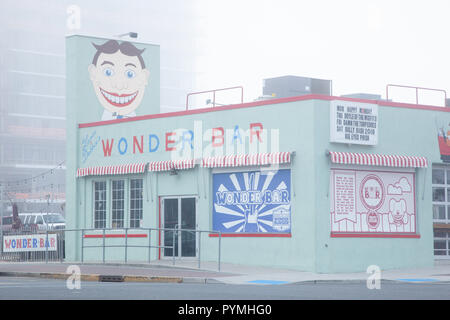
{"x":345,"y":199}
{"x":353,"y":122}
{"x":375,"y":202}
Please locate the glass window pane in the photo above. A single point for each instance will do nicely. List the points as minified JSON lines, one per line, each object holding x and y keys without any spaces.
{"x":100,"y":204}
{"x":117,"y":201}
{"x":439,"y":234}
{"x":439,"y":194}
{"x":438,"y":176}
{"x":439,"y":212}
{"x":439,"y":244}
{"x":136,"y":195}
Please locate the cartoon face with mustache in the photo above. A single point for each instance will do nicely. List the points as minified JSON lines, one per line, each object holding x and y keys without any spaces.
{"x":119,"y":78}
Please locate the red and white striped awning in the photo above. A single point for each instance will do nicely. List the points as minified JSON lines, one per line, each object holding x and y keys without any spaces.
{"x":378,"y":160}
{"x":111,"y":170}
{"x":247,"y":160}
{"x":171,"y":164}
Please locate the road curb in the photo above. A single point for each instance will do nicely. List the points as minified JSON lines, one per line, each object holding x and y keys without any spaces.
{"x":201,"y":280}
{"x":362,"y":281}
{"x":92,"y":277}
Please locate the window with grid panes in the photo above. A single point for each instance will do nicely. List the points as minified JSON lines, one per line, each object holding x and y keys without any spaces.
{"x":441,"y":194}
{"x":117,"y":203}
{"x":136,"y":202}
{"x":100,"y":204}
{"x":441,"y":209}
{"x":442,"y":243}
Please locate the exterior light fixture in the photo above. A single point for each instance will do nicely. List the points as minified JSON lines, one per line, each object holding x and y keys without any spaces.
{"x":128,"y":34}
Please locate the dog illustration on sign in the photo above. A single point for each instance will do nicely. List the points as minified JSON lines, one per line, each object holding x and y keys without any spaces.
{"x":119,"y":77}
{"x":397,"y":212}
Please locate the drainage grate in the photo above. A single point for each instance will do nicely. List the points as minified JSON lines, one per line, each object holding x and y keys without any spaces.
{"x":107,"y":278}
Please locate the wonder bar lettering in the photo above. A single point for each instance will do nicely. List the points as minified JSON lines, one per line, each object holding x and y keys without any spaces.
{"x":30,"y":243}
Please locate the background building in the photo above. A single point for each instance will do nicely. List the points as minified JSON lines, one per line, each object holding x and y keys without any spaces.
{"x":32,"y":81}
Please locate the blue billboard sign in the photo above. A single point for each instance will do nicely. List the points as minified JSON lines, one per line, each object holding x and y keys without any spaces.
{"x":252,"y":202}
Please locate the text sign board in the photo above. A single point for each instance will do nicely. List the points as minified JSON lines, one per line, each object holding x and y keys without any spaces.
{"x":353,"y":122}
{"x":372,"y":201}
{"x":30,"y":243}
{"x":252,"y":202}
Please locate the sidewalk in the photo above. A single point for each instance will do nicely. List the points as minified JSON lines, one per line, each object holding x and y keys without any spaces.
{"x":187,"y":272}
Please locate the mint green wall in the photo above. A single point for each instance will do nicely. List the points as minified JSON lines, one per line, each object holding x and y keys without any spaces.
{"x":295,"y":252}
{"x":82,"y":105}
{"x":402,"y":131}
{"x":303,"y":127}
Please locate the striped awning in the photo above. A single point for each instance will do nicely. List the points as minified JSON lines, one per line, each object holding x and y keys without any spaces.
{"x":111,"y":170}
{"x":209,"y":162}
{"x":247,"y":160}
{"x":378,"y":160}
{"x":171,"y":164}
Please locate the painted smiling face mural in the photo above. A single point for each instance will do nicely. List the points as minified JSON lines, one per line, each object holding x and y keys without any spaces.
{"x":119,"y":77}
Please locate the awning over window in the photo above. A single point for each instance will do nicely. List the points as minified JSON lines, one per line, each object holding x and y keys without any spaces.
{"x":112,"y":170}
{"x":136,"y":168}
{"x":171,"y":164}
{"x":247,"y":160}
{"x":378,"y":160}
{"x":211,"y":162}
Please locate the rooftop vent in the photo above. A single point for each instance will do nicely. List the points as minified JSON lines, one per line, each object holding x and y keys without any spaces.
{"x":291,"y":86}
{"x":365,"y":96}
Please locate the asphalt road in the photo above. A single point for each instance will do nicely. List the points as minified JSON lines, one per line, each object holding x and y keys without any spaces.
{"x":50,"y":289}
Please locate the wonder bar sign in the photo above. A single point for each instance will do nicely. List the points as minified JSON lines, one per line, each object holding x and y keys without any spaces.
{"x":353,"y":122}
{"x":252,"y":202}
{"x":30,"y":242}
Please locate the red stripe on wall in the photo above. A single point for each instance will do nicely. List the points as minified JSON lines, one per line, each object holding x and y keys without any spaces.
{"x":373,"y":235}
{"x":137,"y":235}
{"x":252,"y":235}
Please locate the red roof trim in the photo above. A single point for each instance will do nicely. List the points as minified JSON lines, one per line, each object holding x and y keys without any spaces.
{"x":263,"y":103}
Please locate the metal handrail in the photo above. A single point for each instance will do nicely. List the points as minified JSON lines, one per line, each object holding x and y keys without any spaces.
{"x":417,"y":91}
{"x":175,"y":231}
{"x":214,"y":94}
{"x":102,"y":243}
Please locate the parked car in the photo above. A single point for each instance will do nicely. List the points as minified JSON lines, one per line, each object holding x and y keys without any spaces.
{"x":7,"y":223}
{"x":43,"y":221}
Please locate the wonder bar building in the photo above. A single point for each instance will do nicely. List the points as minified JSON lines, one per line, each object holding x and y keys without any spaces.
{"x":315,"y":183}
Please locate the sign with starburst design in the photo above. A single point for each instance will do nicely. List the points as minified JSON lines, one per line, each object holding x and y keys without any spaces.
{"x":252,"y":202}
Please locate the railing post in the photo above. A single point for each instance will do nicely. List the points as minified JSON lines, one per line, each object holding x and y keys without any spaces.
{"x":46,"y":246}
{"x":126,"y":245}
{"x":82,"y":245}
{"x":199,"y":246}
{"x":173,"y":247}
{"x":220,"y":247}
{"x":103,"y":245}
{"x":60,"y":248}
{"x":149,"y":244}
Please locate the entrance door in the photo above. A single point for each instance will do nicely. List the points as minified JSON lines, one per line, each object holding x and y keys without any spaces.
{"x":179,"y":213}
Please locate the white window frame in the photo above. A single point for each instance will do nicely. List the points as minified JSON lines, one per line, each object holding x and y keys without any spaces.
{"x":115,"y":210}
{"x":130,"y":199}
{"x":106,"y":204}
{"x":446,"y":201}
{"x":446,"y":238}
{"x":446,"y":204}
{"x":110,"y":198}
